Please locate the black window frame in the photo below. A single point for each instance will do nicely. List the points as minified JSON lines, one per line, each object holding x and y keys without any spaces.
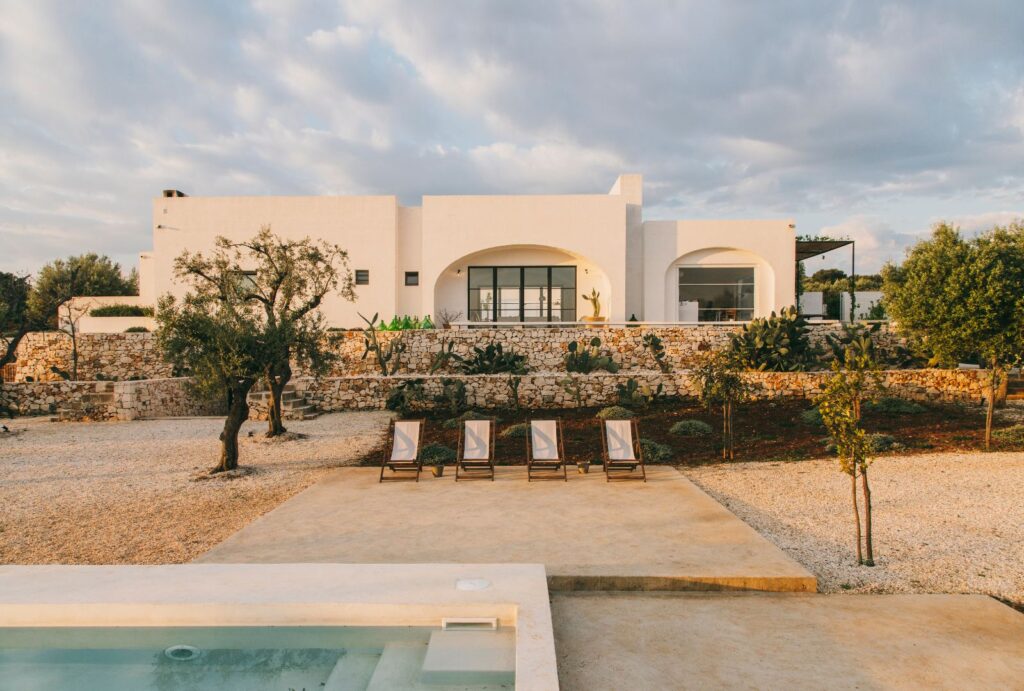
{"x":415,"y":276}
{"x":495,"y":305}
{"x":362,"y":277}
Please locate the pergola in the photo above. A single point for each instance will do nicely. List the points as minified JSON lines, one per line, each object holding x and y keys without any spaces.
{"x":805,"y":249}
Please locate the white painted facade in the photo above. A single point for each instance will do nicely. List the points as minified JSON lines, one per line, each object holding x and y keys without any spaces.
{"x":634,"y":264}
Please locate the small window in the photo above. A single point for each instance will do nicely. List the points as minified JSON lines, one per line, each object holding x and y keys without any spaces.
{"x":362,"y":277}
{"x":412,"y":278}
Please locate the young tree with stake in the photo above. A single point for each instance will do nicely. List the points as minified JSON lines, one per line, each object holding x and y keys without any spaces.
{"x":721,"y":384}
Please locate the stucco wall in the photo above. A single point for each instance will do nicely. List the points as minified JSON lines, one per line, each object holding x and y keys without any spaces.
{"x":365,"y":226}
{"x":590,"y":226}
{"x":768,"y":245}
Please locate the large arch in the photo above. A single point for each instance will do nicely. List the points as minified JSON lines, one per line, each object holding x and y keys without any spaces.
{"x":719,"y":257}
{"x":450,"y":288}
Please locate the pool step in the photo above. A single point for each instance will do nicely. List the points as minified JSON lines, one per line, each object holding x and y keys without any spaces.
{"x":353,"y":672}
{"x":404,"y":665}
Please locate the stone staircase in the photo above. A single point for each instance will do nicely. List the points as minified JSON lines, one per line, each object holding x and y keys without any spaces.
{"x":293,"y":403}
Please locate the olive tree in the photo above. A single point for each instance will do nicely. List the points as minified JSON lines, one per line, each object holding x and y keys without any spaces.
{"x":963,"y":300}
{"x":286,"y":280}
{"x":220,"y":340}
{"x":721,"y":384}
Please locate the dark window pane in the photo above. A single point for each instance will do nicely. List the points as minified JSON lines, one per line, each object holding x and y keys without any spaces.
{"x":508,"y":293}
{"x":481,"y":294}
{"x":412,"y":278}
{"x":563,"y":293}
{"x":720,"y":293}
{"x":362,"y":277}
{"x":535,"y":293}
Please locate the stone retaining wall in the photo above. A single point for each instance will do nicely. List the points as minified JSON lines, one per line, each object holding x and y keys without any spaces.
{"x":135,"y":355}
{"x":113,"y":356}
{"x":558,"y":391}
{"x":107,"y":400}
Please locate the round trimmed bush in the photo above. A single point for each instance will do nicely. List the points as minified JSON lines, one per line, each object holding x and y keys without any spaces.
{"x":437,"y":454}
{"x":1013,"y":434}
{"x":456,"y":422}
{"x":895,"y":406}
{"x":882,"y":442}
{"x":655,"y":452}
{"x":812,"y":418}
{"x":615,"y":412}
{"x":691,"y":428}
{"x":516,"y":431}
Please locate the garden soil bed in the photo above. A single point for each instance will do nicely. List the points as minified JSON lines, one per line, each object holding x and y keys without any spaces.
{"x":765,"y":431}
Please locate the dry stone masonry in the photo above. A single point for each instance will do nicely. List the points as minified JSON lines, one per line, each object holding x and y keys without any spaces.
{"x":355,"y":382}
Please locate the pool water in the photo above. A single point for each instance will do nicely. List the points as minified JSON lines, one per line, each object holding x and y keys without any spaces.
{"x":255,"y":658}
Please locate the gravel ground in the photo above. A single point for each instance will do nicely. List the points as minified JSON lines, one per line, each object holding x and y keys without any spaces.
{"x":943,"y":523}
{"x":126,"y":493}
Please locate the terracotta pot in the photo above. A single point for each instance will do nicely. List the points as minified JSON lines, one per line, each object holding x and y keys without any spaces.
{"x":437,"y":470}
{"x":582,"y":468}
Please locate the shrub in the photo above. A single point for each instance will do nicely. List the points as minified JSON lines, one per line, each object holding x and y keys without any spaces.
{"x":121,"y":311}
{"x":778,"y":343}
{"x":437,"y":454}
{"x":136,"y":330}
{"x":403,"y":398}
{"x":1010,"y":435}
{"x":691,"y":428}
{"x":633,"y":394}
{"x":812,"y":417}
{"x":653,"y":345}
{"x":517,"y":431}
{"x":588,"y":358}
{"x":452,"y":396}
{"x":456,"y":422}
{"x":615,"y":412}
{"x":882,"y":442}
{"x":895,"y":406}
{"x":491,"y":359}
{"x":655,"y":452}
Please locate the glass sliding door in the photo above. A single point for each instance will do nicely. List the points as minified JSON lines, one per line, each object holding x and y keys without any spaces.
{"x":715,"y":294}
{"x":522,"y":293}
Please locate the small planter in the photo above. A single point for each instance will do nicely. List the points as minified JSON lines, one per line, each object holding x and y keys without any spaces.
{"x":583,"y":468}
{"x":437,"y":470}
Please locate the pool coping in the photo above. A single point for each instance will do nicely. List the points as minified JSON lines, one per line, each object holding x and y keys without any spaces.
{"x":289,"y":595}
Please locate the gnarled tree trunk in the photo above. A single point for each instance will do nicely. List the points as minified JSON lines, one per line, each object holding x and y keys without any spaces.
{"x":277,"y":379}
{"x":238,"y":413}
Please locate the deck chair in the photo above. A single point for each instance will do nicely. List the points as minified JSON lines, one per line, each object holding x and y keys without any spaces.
{"x":545,"y":452}
{"x":402,"y":452}
{"x":475,"y":457}
{"x":620,"y":442}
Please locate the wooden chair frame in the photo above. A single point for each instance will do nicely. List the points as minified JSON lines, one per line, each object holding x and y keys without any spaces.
{"x":476,"y":468}
{"x":629,"y":466}
{"x":546,"y":465}
{"x":402,"y":466}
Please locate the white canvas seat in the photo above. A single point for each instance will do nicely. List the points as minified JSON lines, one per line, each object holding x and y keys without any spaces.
{"x":544,"y":449}
{"x":402,"y":452}
{"x":476,"y":450}
{"x":622,"y":452}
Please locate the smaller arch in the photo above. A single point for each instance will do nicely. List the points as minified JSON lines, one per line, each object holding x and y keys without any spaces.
{"x":719,"y":302}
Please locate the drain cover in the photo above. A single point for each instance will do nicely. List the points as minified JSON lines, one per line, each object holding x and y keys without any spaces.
{"x":183,"y":652}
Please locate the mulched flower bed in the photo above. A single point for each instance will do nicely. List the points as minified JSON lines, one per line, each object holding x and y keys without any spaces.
{"x":764,"y":431}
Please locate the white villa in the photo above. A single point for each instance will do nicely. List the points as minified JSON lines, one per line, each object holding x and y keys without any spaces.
{"x":515,"y":258}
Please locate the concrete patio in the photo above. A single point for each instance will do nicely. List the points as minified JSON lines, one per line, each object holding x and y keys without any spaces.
{"x":786,"y":641}
{"x":665,"y":534}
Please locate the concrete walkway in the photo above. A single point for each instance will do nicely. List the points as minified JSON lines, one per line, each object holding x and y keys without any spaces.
{"x":663,"y":535}
{"x":786,"y":641}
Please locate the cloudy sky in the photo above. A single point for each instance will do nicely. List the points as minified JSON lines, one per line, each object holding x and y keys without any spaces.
{"x":866,"y":119}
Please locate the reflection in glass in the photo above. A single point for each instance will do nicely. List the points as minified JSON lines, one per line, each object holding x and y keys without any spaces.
{"x":716,"y":293}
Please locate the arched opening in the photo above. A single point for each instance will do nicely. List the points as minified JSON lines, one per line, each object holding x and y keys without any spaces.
{"x":521,"y":284}
{"x":718,"y":284}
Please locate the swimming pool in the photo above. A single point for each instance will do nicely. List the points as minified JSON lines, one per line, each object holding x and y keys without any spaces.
{"x":277,"y":626}
{"x":255,"y":658}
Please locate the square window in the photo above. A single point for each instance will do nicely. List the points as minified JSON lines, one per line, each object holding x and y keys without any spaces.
{"x":412,"y":278}
{"x":362,"y":277}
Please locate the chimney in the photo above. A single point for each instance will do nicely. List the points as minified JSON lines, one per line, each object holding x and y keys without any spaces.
{"x":174,"y":193}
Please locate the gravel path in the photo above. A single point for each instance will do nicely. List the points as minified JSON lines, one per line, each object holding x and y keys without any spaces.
{"x":943,"y":523}
{"x":124,"y":493}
